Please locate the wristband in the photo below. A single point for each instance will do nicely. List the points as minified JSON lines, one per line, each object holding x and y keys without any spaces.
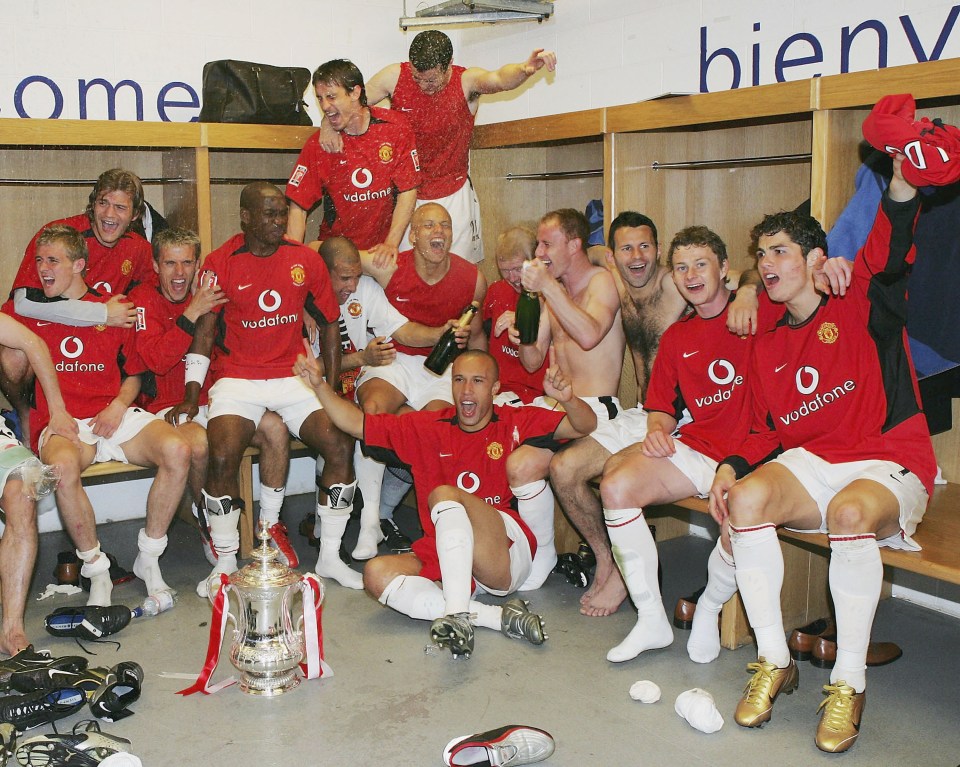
{"x":196,"y":368}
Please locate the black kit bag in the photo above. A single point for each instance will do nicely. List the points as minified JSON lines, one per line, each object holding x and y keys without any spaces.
{"x":244,"y":92}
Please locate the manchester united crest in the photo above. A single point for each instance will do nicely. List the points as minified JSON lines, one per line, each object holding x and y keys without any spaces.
{"x":385,"y":152}
{"x":828,"y":333}
{"x":495,"y":451}
{"x":354,"y":308}
{"x":100,"y":328}
{"x":126,"y":267}
{"x":297,"y":274}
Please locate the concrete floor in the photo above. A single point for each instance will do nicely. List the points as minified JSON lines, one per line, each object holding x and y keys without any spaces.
{"x":394,"y":701}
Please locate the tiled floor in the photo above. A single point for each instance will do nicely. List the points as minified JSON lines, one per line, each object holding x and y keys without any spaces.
{"x":394,"y":702}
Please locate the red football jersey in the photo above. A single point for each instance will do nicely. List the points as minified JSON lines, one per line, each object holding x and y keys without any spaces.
{"x":359,"y":184}
{"x":501,"y":297}
{"x":704,"y":368}
{"x":438,"y":453}
{"x":109,"y":270}
{"x":427,"y":304}
{"x":163,"y":339}
{"x":261,"y":326}
{"x":443,"y":126}
{"x":842,"y":384}
{"x":88,"y":362}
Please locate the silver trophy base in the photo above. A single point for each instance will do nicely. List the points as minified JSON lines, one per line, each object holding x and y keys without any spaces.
{"x":269,"y":685}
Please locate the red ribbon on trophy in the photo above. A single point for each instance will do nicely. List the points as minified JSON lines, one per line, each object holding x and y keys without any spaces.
{"x":314,"y":666}
{"x":218,"y":626}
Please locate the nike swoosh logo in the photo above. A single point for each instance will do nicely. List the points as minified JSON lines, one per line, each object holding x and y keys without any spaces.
{"x":690,"y":354}
{"x":401,"y":300}
{"x":244,"y":287}
{"x":405,"y":109}
{"x":41,"y":324}
{"x":446,"y":455}
{"x":781,"y":367}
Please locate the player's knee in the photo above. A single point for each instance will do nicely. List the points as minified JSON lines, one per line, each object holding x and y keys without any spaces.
{"x":442,"y":493}
{"x":748,"y":502}
{"x":524,"y":466}
{"x":616,"y":486}
{"x":847,"y":516}
{"x":175,"y":452}
{"x":376,"y":575}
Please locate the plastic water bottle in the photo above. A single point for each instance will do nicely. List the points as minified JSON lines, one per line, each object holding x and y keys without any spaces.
{"x":155,"y":604}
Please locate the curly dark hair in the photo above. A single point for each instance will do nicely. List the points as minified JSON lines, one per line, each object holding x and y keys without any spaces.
{"x":802,"y":229}
{"x":633,"y":220}
{"x":431,"y":49}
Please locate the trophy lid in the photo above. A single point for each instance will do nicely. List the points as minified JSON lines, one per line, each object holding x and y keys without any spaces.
{"x":266,"y":570}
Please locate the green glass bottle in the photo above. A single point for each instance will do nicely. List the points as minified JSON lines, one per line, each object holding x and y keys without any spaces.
{"x":446,"y":348}
{"x":527,"y":316}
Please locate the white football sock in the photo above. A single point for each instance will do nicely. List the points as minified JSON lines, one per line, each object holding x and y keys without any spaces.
{"x":703,"y":646}
{"x":271,"y":502}
{"x":415,"y":596}
{"x":333,"y":522}
{"x":455,"y":553}
{"x":147,"y":565}
{"x":635,"y":553}
{"x":101,"y":586}
{"x":224,"y":520}
{"x":536,"y":508}
{"x":760,"y":579}
{"x":369,"y":480}
{"x":856,"y":578}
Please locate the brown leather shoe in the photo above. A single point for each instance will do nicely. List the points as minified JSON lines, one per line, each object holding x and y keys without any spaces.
{"x":878,"y":653}
{"x":67,"y":571}
{"x":686,"y":607}
{"x":803,"y":639}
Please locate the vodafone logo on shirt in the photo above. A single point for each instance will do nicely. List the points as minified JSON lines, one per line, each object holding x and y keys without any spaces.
{"x":269,"y":302}
{"x":361,"y":178}
{"x":807,"y":381}
{"x":724,"y":374}
{"x":470,"y":483}
{"x":71,"y":347}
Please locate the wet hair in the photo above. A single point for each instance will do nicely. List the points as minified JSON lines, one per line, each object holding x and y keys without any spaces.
{"x":334,"y":248}
{"x":802,"y":229}
{"x":630,"y":219}
{"x":572,"y":223}
{"x":701,"y":236}
{"x":118,"y":180}
{"x":431,"y":49}
{"x":174,"y":238}
{"x":67,"y":236}
{"x":344,"y":73}
{"x":516,"y":239}
{"x":482,"y":355}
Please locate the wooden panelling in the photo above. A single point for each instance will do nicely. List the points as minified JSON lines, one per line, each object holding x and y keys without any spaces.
{"x":930,"y":80}
{"x":572,"y":125}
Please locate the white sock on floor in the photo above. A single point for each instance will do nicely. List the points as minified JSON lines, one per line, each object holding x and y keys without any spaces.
{"x":333,"y":522}
{"x":369,"y":480}
{"x":703,"y":646}
{"x":415,"y":596}
{"x":271,"y":502}
{"x":635,"y":553}
{"x":759,"y":559}
{"x":856,"y":578}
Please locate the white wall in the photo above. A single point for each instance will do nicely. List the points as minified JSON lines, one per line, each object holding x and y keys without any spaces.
{"x":611,"y":51}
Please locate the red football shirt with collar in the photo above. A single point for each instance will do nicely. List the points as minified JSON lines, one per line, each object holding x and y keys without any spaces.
{"x":443,"y":126}
{"x":704,"y":368}
{"x":358,"y":185}
{"x":163,"y":338}
{"x":501,"y":297}
{"x":842,"y":383}
{"x":439,"y":452}
{"x":428,"y":304}
{"x":90,"y":363}
{"x":109,"y":270}
{"x":260,"y":328}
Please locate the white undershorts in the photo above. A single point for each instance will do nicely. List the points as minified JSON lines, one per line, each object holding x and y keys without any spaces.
{"x":134,"y":421}
{"x":464,"y":210}
{"x":408,"y":375}
{"x":512,"y":399}
{"x":628,"y":428}
{"x":200,"y":418}
{"x":700,"y":469}
{"x":823,"y":480}
{"x":291,"y":398}
{"x":520,"y":559}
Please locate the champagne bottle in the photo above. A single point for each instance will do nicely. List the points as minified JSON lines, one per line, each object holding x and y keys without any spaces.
{"x":446,"y":348}
{"x":527,"y":316}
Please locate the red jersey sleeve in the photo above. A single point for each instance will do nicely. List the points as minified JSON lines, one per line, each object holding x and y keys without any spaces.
{"x":161,"y":346}
{"x":305,"y":185}
{"x":406,"y":175}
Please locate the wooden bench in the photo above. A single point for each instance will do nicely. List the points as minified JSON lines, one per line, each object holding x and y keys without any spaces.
{"x":117,"y":471}
{"x":804,"y":594}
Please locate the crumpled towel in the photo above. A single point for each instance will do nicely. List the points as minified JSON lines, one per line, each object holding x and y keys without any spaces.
{"x":700,"y":711}
{"x":121,"y":759}
{"x":645,"y":691}
{"x":53,"y":588}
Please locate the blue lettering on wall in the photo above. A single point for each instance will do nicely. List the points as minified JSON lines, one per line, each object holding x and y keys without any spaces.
{"x":163,"y":102}
{"x":723,"y":57}
{"x":28,"y":81}
{"x":84,"y":87}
